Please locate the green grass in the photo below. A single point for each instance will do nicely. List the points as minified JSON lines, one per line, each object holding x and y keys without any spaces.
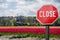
{"x":24,"y":35}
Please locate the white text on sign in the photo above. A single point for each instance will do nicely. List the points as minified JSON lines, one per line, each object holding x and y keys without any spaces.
{"x":47,"y":14}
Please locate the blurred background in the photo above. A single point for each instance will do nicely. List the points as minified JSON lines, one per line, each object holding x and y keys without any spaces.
{"x":23,"y":21}
{"x":23,"y":12}
{"x":16,"y":14}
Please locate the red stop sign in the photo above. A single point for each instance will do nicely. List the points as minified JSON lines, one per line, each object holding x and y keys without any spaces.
{"x":47,"y":14}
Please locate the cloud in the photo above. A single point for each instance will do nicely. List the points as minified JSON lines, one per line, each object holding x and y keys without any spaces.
{"x":24,"y":7}
{"x":1,"y":1}
{"x":58,"y":1}
{"x":4,"y":6}
{"x":11,"y":0}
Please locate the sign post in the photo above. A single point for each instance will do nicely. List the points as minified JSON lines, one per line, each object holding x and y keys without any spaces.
{"x":47,"y":15}
{"x":47,"y":32}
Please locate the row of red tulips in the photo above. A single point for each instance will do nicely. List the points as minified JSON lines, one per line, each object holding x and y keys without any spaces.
{"x":29,"y":30}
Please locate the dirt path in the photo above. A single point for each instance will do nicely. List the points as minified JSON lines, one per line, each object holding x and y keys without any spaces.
{"x":8,"y":38}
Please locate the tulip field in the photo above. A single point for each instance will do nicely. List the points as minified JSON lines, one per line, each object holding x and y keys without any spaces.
{"x":29,"y":29}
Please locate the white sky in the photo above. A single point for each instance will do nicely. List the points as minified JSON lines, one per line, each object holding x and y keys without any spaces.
{"x":24,"y":7}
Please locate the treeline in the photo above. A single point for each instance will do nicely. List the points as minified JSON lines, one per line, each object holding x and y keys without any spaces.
{"x":22,"y":21}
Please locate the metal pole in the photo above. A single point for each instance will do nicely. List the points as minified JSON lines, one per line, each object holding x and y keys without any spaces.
{"x":47,"y":32}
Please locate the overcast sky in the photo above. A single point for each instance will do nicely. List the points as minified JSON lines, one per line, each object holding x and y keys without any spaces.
{"x":24,"y":7}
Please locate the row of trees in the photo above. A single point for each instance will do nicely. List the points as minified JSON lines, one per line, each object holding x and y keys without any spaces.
{"x":22,"y":21}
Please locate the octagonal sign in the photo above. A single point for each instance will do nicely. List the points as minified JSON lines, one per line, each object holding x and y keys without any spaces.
{"x":47,"y":14}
